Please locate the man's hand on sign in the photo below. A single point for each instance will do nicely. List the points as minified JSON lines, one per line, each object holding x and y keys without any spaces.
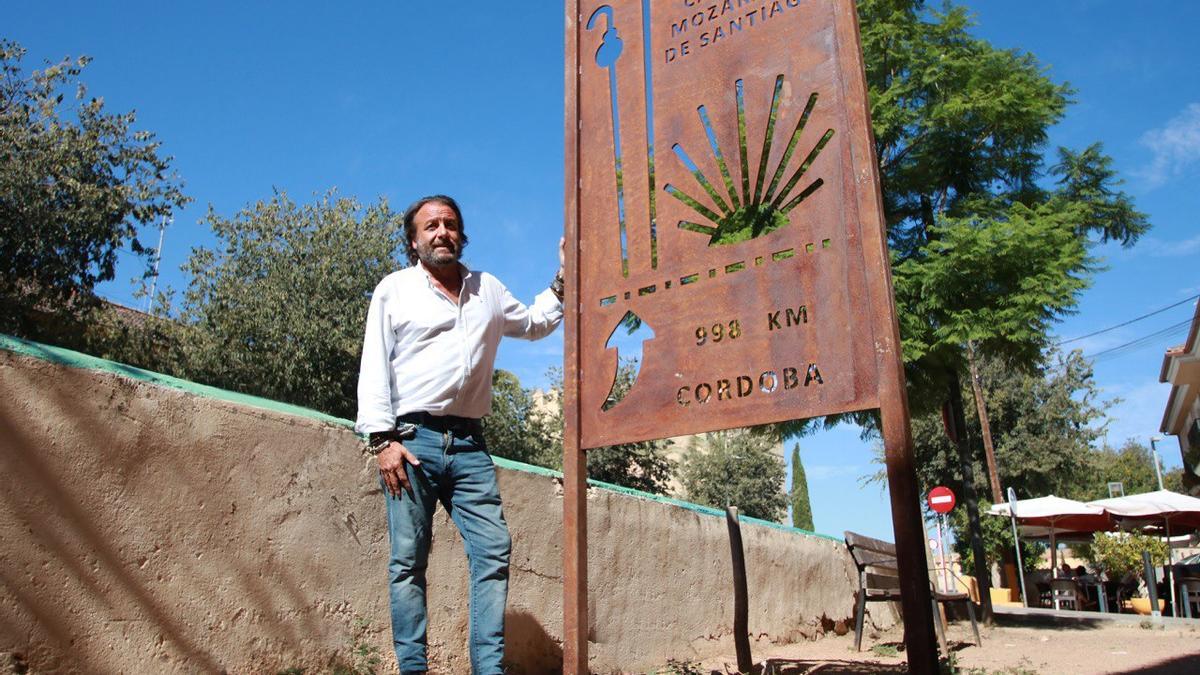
{"x":562,"y":252}
{"x":393,"y":461}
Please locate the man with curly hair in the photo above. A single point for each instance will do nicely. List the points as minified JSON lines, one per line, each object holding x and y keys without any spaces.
{"x":424,"y":384}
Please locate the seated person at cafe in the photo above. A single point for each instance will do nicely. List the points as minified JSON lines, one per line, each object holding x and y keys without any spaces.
{"x":1085,"y":576}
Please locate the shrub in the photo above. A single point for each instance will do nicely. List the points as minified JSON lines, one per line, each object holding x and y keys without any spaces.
{"x":1120,"y":553}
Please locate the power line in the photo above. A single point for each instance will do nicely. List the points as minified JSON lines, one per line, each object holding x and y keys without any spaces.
{"x":1162,"y":332}
{"x":1143,"y":341}
{"x":1135,"y":320}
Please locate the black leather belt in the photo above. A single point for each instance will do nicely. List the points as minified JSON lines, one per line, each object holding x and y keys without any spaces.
{"x":461,"y":427}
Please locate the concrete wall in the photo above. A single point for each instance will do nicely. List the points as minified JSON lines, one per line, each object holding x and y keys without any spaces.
{"x":151,"y":528}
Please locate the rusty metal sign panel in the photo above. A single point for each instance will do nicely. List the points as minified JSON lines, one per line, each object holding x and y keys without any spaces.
{"x":728,"y":201}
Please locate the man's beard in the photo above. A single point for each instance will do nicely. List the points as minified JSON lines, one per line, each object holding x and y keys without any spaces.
{"x":431,"y":257}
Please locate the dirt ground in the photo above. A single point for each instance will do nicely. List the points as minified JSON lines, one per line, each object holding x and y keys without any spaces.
{"x":1006,"y":650}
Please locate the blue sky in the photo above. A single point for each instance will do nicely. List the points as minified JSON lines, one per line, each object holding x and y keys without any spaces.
{"x":398,"y":100}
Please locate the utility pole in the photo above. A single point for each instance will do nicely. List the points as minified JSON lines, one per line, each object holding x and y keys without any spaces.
{"x":162,"y":232}
{"x":985,"y":426}
{"x":1154,"y":456}
{"x":970,"y":498}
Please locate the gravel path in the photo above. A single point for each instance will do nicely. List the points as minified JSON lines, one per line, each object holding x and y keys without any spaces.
{"x":1006,"y":650}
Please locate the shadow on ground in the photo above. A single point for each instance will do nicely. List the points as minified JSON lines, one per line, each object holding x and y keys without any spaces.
{"x":1182,"y":665}
{"x":529,"y":649}
{"x":830,"y":667}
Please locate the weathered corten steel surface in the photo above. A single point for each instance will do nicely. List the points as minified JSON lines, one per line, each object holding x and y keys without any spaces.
{"x":723,"y":191}
{"x":748,"y":239}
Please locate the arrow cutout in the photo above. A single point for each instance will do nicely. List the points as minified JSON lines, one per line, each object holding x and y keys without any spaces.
{"x":635,"y":334}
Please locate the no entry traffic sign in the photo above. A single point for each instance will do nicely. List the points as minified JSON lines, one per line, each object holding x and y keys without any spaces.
{"x":941,"y":499}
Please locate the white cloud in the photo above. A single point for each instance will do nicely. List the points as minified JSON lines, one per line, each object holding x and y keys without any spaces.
{"x":1176,"y":146}
{"x":1139,"y":413}
{"x":1094,"y":344}
{"x":1098,"y":343}
{"x":1169,"y":249}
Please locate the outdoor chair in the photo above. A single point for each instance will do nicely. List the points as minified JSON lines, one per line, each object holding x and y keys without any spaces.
{"x":1125,"y":594}
{"x":1043,"y":592}
{"x":1189,"y":595}
{"x":1065,"y":593}
{"x":879,"y":580}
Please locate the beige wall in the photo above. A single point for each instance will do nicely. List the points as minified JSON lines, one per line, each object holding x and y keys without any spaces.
{"x":148,"y":529}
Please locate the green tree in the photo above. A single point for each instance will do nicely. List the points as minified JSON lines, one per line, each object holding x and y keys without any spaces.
{"x":1120,"y":553}
{"x":642,"y":466}
{"x":76,"y":183}
{"x":1173,"y":481}
{"x":985,"y":256}
{"x":801,"y":508}
{"x":997,"y":541}
{"x":515,"y":428}
{"x":1044,"y":422}
{"x":1132,"y":465}
{"x":117,"y":333}
{"x":738,"y":467}
{"x":277,"y":308}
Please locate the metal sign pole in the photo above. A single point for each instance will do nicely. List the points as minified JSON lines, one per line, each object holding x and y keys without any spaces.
{"x":1012,"y":513}
{"x":915,"y":596}
{"x":575,"y":599}
{"x":942,"y":553}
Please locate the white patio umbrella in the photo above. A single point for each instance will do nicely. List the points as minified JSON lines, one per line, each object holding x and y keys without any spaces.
{"x":1063,"y":536}
{"x":1176,"y":510}
{"x":1056,"y":515}
{"x":1170,"y":508}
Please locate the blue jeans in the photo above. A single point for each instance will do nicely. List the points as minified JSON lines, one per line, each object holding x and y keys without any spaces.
{"x":457,"y":471}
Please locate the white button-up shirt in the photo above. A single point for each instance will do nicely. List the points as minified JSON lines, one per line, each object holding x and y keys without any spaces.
{"x":424,"y":353}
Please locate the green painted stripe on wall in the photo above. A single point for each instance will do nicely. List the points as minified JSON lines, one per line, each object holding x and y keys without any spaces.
{"x":76,"y":359}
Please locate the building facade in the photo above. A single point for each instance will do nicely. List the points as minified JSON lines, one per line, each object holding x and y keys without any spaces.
{"x":1181,"y":368}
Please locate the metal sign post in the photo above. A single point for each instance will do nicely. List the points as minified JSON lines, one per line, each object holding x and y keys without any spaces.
{"x":722,"y":190}
{"x":575,"y":616}
{"x":1012,"y":514}
{"x":941,"y":501}
{"x":942,"y":554}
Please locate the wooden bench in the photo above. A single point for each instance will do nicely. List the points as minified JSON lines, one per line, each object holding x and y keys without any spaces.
{"x":879,"y":581}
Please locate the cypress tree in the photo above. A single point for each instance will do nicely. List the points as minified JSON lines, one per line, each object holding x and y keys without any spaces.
{"x":801,"y":509}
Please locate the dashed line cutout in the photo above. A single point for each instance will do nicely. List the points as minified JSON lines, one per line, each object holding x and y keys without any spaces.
{"x":731,"y":268}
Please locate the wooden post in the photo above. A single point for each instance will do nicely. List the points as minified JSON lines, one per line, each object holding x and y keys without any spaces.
{"x":741,"y":609}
